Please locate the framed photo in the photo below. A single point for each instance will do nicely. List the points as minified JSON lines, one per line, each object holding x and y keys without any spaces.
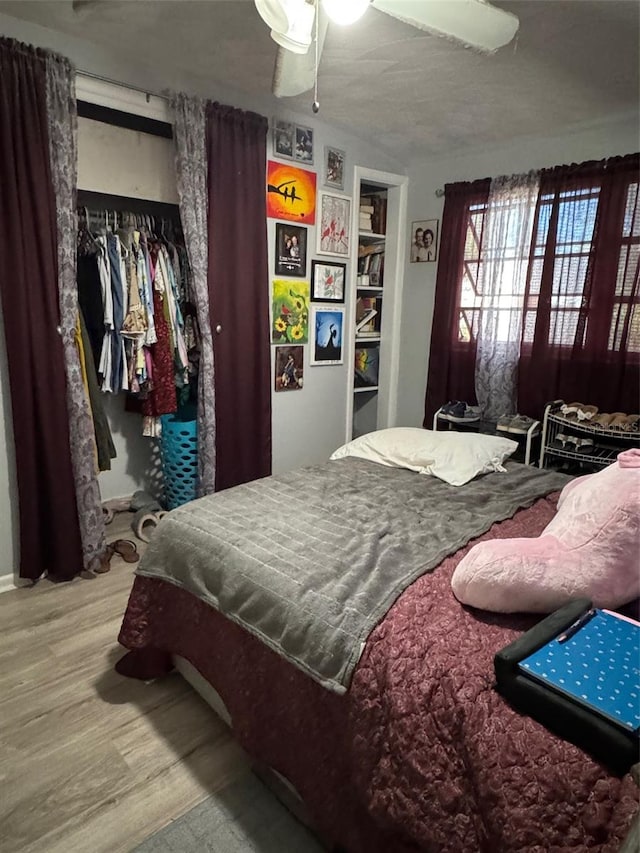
{"x":424,"y":241}
{"x":289,"y":368}
{"x":304,"y":144}
{"x":327,"y":281}
{"x":291,"y":249}
{"x":335,"y":221}
{"x":291,"y":193}
{"x":334,"y":167}
{"x":327,"y":324}
{"x":284,"y":139}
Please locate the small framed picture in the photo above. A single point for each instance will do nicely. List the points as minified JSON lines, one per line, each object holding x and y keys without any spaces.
{"x":289,"y":368}
{"x":335,"y":220}
{"x":284,"y":139}
{"x":327,"y":281}
{"x":327,"y":324}
{"x":304,"y":144}
{"x":334,"y":167}
{"x":424,"y":240}
{"x":291,"y":249}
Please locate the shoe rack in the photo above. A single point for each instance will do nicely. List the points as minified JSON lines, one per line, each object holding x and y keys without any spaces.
{"x":566,"y":438}
{"x":476,"y":424}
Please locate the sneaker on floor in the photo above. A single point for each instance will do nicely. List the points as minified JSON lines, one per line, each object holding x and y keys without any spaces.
{"x":521,"y":424}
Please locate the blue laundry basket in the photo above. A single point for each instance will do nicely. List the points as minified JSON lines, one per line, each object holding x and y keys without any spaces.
{"x":179,"y":452}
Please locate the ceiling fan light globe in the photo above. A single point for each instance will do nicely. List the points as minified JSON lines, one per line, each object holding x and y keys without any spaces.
{"x":273,"y":13}
{"x":344,"y":12}
{"x":291,"y":22}
{"x":295,"y":42}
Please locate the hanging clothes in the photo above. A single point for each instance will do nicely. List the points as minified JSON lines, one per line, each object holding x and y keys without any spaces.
{"x":90,"y":291}
{"x":105,"y":448}
{"x":134,"y":283}
{"x":161,"y":399}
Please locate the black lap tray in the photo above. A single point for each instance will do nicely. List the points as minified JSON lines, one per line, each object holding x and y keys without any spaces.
{"x":605,"y":741}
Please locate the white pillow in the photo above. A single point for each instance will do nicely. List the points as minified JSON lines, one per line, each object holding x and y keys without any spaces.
{"x":455,"y":457}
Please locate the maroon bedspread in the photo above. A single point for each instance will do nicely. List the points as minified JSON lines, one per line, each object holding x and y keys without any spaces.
{"x":421,"y":753}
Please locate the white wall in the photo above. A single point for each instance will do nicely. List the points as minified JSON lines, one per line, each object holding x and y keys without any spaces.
{"x":426,"y":177}
{"x":308,"y":424}
{"x":146,"y":171}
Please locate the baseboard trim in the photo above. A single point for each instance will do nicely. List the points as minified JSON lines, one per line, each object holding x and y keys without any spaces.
{"x":9,"y":582}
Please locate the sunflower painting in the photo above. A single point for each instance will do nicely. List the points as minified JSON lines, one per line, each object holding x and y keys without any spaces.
{"x":290,"y":312}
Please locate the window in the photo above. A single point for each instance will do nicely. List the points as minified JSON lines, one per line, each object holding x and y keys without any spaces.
{"x":625,"y":320}
{"x":563,"y":237}
{"x":470,"y":297}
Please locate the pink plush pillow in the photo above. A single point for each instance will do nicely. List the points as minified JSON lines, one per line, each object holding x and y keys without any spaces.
{"x":590,"y":549}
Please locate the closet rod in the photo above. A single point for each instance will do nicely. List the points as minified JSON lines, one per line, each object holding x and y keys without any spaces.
{"x":121,"y":84}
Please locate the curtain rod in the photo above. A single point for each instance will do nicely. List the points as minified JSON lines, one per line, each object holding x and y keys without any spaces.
{"x":100,"y":77}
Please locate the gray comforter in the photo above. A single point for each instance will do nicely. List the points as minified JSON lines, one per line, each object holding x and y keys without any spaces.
{"x":311,"y":560}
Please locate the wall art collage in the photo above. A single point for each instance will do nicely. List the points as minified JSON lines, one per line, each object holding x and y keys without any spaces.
{"x":308,"y":300}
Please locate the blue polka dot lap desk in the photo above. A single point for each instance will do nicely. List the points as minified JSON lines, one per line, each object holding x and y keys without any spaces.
{"x":598,"y":666}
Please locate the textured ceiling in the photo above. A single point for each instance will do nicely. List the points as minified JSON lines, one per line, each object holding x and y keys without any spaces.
{"x":574,"y":63}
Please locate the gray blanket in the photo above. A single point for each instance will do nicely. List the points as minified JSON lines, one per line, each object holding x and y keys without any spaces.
{"x":311,"y":560}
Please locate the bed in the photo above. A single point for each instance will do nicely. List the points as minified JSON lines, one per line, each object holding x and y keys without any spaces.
{"x":394,"y":738}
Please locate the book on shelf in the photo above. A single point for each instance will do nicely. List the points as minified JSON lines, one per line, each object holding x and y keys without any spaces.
{"x":367,"y":360}
{"x":363,"y":280}
{"x":372,"y":264}
{"x":378,"y":203}
{"x":365,"y":249}
{"x":366,"y":313}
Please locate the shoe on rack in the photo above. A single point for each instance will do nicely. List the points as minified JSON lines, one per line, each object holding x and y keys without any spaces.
{"x":472,"y":413}
{"x":453,"y":411}
{"x":504,"y":422}
{"x":578,"y":411}
{"x":521,"y":424}
{"x":460,"y":412}
{"x":453,"y":407}
{"x":586,"y":413}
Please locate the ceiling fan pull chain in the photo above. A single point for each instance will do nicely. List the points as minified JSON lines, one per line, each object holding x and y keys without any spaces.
{"x":315,"y":106}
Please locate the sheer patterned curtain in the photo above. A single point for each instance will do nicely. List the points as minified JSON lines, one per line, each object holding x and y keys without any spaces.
{"x":191,"y":168}
{"x":62,"y":115}
{"x":508,"y":228}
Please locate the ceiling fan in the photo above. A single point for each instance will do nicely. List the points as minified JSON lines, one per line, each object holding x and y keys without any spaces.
{"x":299,"y":28}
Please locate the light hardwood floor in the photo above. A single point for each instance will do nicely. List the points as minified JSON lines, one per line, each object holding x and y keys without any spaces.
{"x":91,"y":761}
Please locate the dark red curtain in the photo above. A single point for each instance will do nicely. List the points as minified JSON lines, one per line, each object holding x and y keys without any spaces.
{"x":584,"y":349}
{"x":451,"y":361}
{"x":49,"y":531}
{"x":239,"y":293}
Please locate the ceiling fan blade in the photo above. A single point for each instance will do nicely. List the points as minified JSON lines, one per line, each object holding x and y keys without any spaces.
{"x":294,"y":73}
{"x":473,"y":22}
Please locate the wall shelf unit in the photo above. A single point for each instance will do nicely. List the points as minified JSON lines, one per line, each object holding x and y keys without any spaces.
{"x":375,"y":293}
